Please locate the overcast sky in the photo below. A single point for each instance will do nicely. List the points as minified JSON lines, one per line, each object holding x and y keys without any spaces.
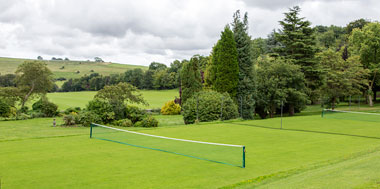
{"x":141,"y":31}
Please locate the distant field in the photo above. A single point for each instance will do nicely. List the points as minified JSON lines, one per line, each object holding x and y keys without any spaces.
{"x":155,"y":98}
{"x":9,"y":65}
{"x":36,"y":155}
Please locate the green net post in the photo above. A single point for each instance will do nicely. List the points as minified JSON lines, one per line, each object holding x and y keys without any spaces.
{"x":91,"y":125}
{"x":243,"y":157}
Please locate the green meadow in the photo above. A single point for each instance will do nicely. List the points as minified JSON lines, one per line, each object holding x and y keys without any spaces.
{"x":69,"y":69}
{"x":308,"y":152}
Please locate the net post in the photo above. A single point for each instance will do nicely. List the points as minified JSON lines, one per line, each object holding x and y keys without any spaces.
{"x":91,"y":125}
{"x":243,"y":166}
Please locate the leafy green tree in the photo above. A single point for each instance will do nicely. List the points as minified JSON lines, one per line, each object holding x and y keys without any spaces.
{"x":157,"y":66}
{"x":359,"y":23}
{"x":342,"y":78}
{"x":10,"y":95}
{"x":134,"y":77}
{"x":279,"y":81}
{"x":163,"y":80}
{"x":259,"y":47}
{"x":225,"y":64}
{"x":298,"y":44}
{"x":366,"y":43}
{"x":246,"y":83}
{"x":33,"y":77}
{"x":191,"y":81}
{"x":147,"y":82}
{"x":7,"y":80}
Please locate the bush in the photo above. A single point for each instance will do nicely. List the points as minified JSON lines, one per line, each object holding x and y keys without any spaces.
{"x":102,"y":109}
{"x":71,"y":109}
{"x":87,"y":117}
{"x":70,"y":119}
{"x":149,"y":121}
{"x":209,"y":106}
{"x":135,"y":114}
{"x":123,"y":123}
{"x":171,"y":108}
{"x":5,"y":109}
{"x":43,"y":105}
{"x":22,"y":116}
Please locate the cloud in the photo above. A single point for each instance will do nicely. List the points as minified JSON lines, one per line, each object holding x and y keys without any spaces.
{"x":140,"y":32}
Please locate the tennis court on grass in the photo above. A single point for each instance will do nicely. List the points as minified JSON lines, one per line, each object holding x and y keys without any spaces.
{"x":355,"y":124}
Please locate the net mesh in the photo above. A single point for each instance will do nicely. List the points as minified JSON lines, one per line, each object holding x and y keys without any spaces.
{"x":215,"y":152}
{"x":349,"y":115}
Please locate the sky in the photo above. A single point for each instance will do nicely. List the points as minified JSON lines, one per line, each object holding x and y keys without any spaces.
{"x":142,"y":31}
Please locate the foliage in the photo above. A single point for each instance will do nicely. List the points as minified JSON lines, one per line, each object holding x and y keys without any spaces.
{"x":210,"y":104}
{"x":171,"y":108}
{"x":72,"y":109}
{"x":10,"y":95}
{"x":69,"y":119}
{"x":148,"y":121}
{"x":298,"y":44}
{"x":43,"y":105}
{"x":121,"y":93}
{"x":191,"y":81}
{"x":162,"y":79}
{"x":5,"y":109}
{"x":342,"y":78}
{"x":246,"y":84}
{"x":225,"y":68}
{"x":279,"y":81}
{"x":123,"y":123}
{"x":101,"y":109}
{"x":7,"y":80}
{"x":88,"y":117}
{"x":135,"y":114}
{"x":157,"y":66}
{"x":33,"y":77}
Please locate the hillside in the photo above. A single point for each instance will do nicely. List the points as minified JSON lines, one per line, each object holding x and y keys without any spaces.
{"x":68,"y":69}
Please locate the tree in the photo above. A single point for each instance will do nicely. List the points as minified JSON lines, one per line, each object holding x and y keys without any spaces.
{"x":148,"y":79}
{"x":279,"y":81}
{"x":298,"y":44}
{"x":97,"y":59}
{"x":33,"y":77}
{"x":246,"y":83}
{"x":7,"y":80}
{"x":366,"y":43}
{"x":360,"y":23}
{"x":191,"y":81}
{"x":342,"y":78}
{"x":157,"y":66}
{"x":39,"y":58}
{"x":163,"y":80}
{"x":225,"y":64}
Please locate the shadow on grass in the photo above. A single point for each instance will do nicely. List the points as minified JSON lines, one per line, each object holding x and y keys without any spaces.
{"x":308,"y":131}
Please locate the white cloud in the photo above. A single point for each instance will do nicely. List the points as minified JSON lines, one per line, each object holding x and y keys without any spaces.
{"x":139,"y":32}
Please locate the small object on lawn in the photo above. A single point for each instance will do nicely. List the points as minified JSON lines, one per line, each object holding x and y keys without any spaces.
{"x":54,"y":122}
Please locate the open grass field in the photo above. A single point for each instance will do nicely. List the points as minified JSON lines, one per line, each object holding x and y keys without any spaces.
{"x":9,"y":65}
{"x":310,"y":152}
{"x":64,"y":100}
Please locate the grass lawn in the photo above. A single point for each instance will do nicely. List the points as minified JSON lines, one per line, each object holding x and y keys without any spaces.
{"x":36,"y":155}
{"x":155,"y":98}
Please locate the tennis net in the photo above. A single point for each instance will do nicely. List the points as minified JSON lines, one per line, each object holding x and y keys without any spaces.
{"x":215,"y":152}
{"x":349,"y":115}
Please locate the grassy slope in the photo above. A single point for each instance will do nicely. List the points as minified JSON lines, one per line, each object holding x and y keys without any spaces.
{"x":77,"y":161}
{"x":9,"y":65}
{"x":156,"y":99}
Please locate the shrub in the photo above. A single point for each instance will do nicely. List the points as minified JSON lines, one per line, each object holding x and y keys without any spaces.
{"x":171,"y":108}
{"x":69,"y":119}
{"x":71,"y":109}
{"x":135,"y":114}
{"x":102,"y":109}
{"x":149,"y":121}
{"x":123,"y":123}
{"x":87,"y":117}
{"x":5,"y":109}
{"x":43,"y":105}
{"x":209,"y":106}
{"x":22,"y":116}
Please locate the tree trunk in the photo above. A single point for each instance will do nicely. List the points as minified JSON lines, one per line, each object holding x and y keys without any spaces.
{"x":27,"y":96}
{"x":370,"y":101}
{"x":333,"y":103}
{"x":291,"y":110}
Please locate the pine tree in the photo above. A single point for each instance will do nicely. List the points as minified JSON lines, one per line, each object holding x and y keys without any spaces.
{"x":225,"y":64}
{"x":298,"y":43}
{"x":191,"y":81}
{"x":246,"y":85}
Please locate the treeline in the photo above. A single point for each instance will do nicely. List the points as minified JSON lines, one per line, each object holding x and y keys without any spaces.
{"x":158,"y":77}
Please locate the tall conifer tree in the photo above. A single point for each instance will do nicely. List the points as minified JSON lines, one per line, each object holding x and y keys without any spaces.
{"x":298,"y":43}
{"x":246,"y":85}
{"x":191,"y":80}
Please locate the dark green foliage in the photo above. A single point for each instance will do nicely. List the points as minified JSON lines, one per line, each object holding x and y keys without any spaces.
{"x":360,"y":23}
{"x":123,"y":123}
{"x":209,"y":107}
{"x":148,"y":121}
{"x":4,"y":109}
{"x":135,"y":114}
{"x":7,"y":80}
{"x":191,"y":81}
{"x":157,"y":66}
{"x":102,"y":109}
{"x":134,"y":77}
{"x":71,"y":109}
{"x":246,"y":84}
{"x":69,"y":119}
{"x":279,"y":81}
{"x":225,"y":63}
{"x":87,"y":117}
{"x":148,"y":79}
{"x":43,"y":105}
{"x":298,"y":44}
